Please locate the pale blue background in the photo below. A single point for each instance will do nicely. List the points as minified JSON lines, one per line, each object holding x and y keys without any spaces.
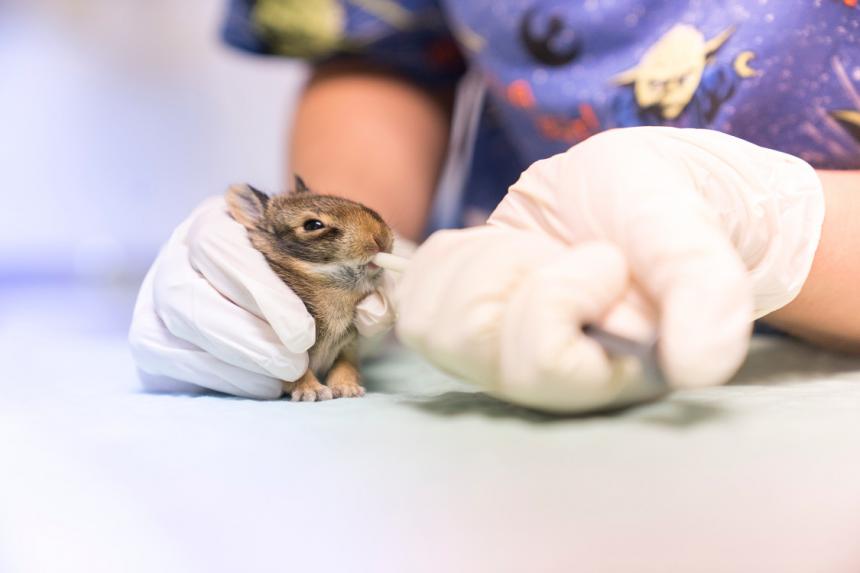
{"x":117,"y":117}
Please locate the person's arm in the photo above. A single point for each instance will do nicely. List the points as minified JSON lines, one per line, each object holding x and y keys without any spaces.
{"x":374,"y":138}
{"x":827,"y":310}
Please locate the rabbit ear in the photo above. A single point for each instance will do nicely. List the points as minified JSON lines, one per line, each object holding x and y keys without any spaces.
{"x":247,"y":205}
{"x":301,"y":186}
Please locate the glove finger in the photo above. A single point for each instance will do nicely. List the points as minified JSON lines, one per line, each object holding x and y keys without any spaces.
{"x":157,"y":352}
{"x":219,"y":249}
{"x":451,"y":299}
{"x":374,"y":314}
{"x":546,"y":360}
{"x":194,"y":311}
{"x":635,"y":317}
{"x":685,"y":262}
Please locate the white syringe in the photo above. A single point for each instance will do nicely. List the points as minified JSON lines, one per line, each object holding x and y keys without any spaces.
{"x":391,"y":262}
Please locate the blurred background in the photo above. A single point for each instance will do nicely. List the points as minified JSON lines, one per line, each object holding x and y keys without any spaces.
{"x":118,"y":116}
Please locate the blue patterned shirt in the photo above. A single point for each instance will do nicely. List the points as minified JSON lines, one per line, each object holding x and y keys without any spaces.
{"x":784,"y":74}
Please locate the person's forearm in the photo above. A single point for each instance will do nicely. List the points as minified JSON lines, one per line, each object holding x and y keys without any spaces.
{"x":827,"y":311}
{"x":373,"y":138}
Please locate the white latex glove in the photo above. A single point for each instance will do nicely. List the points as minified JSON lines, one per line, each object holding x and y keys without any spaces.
{"x":683,"y":234}
{"x":212,"y":313}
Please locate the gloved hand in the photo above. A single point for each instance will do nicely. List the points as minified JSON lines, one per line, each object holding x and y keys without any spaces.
{"x":684,"y":234}
{"x":212,"y":313}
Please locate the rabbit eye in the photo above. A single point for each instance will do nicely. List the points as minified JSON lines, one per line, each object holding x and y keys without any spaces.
{"x":313,"y":225}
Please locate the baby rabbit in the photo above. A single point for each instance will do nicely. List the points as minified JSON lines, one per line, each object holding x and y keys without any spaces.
{"x":321,"y":246}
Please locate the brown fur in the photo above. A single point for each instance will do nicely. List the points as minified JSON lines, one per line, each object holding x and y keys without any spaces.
{"x":327,"y":268}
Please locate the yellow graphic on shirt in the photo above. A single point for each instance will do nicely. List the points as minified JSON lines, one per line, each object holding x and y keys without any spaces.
{"x":300,"y":28}
{"x":742,"y":65}
{"x":313,"y":28}
{"x":849,"y":120}
{"x":670,"y":72}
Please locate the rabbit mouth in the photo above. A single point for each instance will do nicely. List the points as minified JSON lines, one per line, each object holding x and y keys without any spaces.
{"x":372,"y":270}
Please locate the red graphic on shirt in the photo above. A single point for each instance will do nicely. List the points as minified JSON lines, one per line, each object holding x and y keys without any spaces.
{"x":850,"y":3}
{"x":444,"y":54}
{"x":519,"y":94}
{"x":570,"y":130}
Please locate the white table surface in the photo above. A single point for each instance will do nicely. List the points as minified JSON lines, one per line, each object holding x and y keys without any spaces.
{"x":423,"y":474}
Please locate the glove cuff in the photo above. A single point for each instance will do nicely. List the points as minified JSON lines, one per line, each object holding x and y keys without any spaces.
{"x":793,"y":217}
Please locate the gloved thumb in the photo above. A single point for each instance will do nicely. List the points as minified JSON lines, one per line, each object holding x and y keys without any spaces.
{"x":376,"y":313}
